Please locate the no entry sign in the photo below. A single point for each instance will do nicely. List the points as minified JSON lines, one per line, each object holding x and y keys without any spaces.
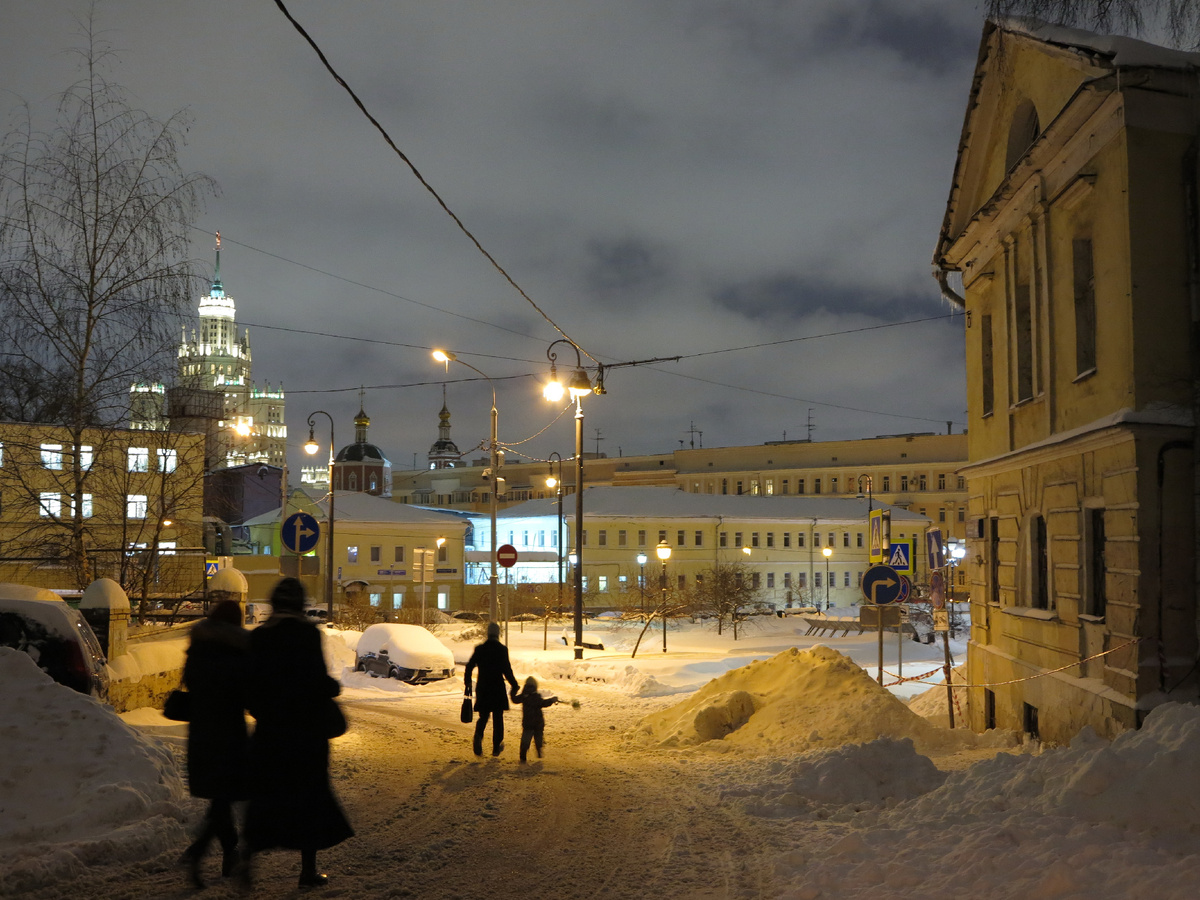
{"x":506,"y":555}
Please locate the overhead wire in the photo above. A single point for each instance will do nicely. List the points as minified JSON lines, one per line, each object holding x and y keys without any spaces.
{"x":457,"y":221}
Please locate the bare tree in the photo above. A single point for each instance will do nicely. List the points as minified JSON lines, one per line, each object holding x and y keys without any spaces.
{"x":728,"y":594}
{"x":1178,"y":19}
{"x":94,"y":220}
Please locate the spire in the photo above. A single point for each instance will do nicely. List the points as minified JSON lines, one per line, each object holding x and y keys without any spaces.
{"x":362,"y":421}
{"x":218,"y":289}
{"x":443,"y":454}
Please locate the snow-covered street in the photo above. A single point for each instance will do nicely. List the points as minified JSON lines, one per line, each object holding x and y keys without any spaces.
{"x":638,"y":794}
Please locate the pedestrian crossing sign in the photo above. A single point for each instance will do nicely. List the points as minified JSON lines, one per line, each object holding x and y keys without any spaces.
{"x":899,"y":556}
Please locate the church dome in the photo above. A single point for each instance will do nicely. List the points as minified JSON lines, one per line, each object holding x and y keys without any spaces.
{"x":361,"y":452}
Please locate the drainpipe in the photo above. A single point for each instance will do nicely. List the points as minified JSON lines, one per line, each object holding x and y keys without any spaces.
{"x":1191,"y":202}
{"x":942,"y":277}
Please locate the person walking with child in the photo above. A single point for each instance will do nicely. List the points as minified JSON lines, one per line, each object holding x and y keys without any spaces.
{"x":533,"y":720}
{"x":491,"y":700}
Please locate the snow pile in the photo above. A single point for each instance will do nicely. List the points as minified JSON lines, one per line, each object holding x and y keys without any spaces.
{"x":860,"y":776}
{"x":77,"y":785}
{"x":339,"y":648}
{"x":1095,"y":819}
{"x":932,"y":702}
{"x":798,"y":700}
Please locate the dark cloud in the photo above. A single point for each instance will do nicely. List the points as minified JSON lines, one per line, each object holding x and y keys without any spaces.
{"x":626,"y":271}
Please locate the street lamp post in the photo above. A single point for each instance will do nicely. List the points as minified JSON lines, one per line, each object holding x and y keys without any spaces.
{"x":663,"y":551}
{"x":311,"y":446}
{"x":641,"y":559}
{"x":556,"y":483}
{"x":554,"y":391}
{"x":445,"y":356}
{"x":827,"y":552}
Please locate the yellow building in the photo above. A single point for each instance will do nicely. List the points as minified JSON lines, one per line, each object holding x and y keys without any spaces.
{"x":116,"y":503}
{"x":780,"y":542}
{"x":1071,"y":219}
{"x":376,"y":548}
{"x":917,"y":472}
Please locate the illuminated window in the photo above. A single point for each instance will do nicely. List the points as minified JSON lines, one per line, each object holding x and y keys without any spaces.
{"x":351,"y":554}
{"x":136,"y":506}
{"x":139,"y":459}
{"x":52,"y":456}
{"x":49,"y":504}
{"x":168,"y":460}
{"x":602,"y":583}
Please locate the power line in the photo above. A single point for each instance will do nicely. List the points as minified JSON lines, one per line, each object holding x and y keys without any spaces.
{"x":388,"y":138}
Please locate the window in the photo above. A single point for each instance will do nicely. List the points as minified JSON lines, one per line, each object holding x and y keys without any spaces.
{"x":799,"y":485}
{"x":755,"y":581}
{"x":641,"y":538}
{"x":737,"y":539}
{"x":816,"y":485}
{"x":168,"y":460}
{"x":770,"y":579}
{"x":398,"y":554}
{"x":602,"y":583}
{"x":723,"y":539}
{"x":541,"y":537}
{"x":699,"y":538}
{"x":845,"y":539}
{"x":376,"y":599}
{"x":680,"y":538}
{"x":994,"y":560}
{"x":754,"y":539}
{"x":584,"y":579}
{"x":86,"y":457}
{"x":622,"y":538}
{"x":1039,"y":587}
{"x":662,"y":535}
{"x":724,"y":485}
{"x":799,"y":538}
{"x":49,"y":504}
{"x":816,"y":579}
{"x":375,"y":485}
{"x":443,"y":553}
{"x":858,"y":539}
{"x":398,"y":600}
{"x":681,"y":582}
{"x":85,"y":506}
{"x":1085,"y":307}
{"x":784,"y":488}
{"x":787,"y":539}
{"x":1097,"y":597}
{"x":52,"y":456}
{"x":136,"y":506}
{"x":603,"y":537}
{"x":139,"y":459}
{"x":769,"y":486}
{"x":787,"y":579}
{"x":887,"y":482}
{"x":962,"y":483}
{"x":903,"y":483}
{"x":921,"y":484}
{"x":754,"y":487}
{"x":351,"y":554}
{"x":941,"y":514}
{"x":739,"y":487}
{"x":621,"y":579}
{"x":375,"y":554}
{"x":1022,"y":318}
{"x":166,"y":548}
{"x":831,"y":541}
{"x":833,"y":483}
{"x":801,"y":580}
{"x":770,"y":539}
{"x":554,"y":538}
{"x":846,"y":580}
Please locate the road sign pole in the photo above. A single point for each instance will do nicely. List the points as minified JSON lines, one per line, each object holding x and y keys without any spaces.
{"x":948,"y":668}
{"x":879,"y":628}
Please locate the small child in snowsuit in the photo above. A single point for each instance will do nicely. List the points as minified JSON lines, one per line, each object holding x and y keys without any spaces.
{"x":533,"y":722}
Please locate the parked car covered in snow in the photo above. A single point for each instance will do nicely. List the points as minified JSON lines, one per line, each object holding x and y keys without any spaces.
{"x":404,"y":652}
{"x":57,"y":637}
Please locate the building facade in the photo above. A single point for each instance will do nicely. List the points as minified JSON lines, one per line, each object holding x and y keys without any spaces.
{"x":116,"y":503}
{"x":1072,"y":223}
{"x":778,"y":542}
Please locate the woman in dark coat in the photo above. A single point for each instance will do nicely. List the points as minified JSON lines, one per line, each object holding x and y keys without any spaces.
{"x":292,"y":804}
{"x":491,"y":699}
{"x":215,"y":675}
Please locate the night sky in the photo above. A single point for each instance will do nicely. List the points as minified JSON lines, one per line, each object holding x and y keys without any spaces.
{"x":694,"y":179}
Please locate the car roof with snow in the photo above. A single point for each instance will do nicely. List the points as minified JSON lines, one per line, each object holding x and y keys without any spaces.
{"x":411,"y":646}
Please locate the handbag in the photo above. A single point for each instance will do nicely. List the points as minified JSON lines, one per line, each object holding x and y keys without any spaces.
{"x":178,"y":706}
{"x":334,"y":721}
{"x":467,"y":713}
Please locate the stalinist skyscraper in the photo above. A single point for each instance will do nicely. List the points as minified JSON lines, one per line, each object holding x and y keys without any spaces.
{"x":215,"y":392}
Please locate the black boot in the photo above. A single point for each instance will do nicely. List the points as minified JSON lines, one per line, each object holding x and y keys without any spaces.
{"x":309,"y":877}
{"x":191,"y":859}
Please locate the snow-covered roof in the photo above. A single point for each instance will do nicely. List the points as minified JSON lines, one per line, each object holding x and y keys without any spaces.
{"x":645,"y":502}
{"x":1120,"y":51}
{"x":352,"y":506}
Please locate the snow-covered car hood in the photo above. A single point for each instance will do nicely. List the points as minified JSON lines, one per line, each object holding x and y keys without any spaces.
{"x":410,"y":646}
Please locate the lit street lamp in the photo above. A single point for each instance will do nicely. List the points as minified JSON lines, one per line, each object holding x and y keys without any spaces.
{"x":663,"y":550}
{"x":554,"y":391}
{"x":641,"y":559}
{"x":445,"y":356}
{"x":827,"y":552}
{"x":311,"y":447}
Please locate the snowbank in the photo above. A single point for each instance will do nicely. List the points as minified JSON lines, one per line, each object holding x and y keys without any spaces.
{"x":796,"y":701}
{"x":1095,"y":819}
{"x":78,"y":785}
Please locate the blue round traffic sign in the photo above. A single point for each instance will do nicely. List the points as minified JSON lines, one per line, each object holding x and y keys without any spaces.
{"x":881,"y":584}
{"x":300,"y":532}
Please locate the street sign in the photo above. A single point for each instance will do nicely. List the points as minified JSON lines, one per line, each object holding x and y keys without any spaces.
{"x":870,"y":616}
{"x":905,"y":589}
{"x":210,"y":568}
{"x":937,"y":591}
{"x":898,"y":557}
{"x":935,"y":548}
{"x":881,"y":584}
{"x":875,"y":543}
{"x":300,"y":532}
{"x":506,"y":555}
{"x":941,"y":620}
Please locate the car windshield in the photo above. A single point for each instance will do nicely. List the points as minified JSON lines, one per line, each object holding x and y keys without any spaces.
{"x":86,"y":633}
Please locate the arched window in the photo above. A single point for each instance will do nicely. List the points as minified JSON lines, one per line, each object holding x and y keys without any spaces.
{"x":373,"y":482}
{"x":1022,"y":132}
{"x":353,"y":482}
